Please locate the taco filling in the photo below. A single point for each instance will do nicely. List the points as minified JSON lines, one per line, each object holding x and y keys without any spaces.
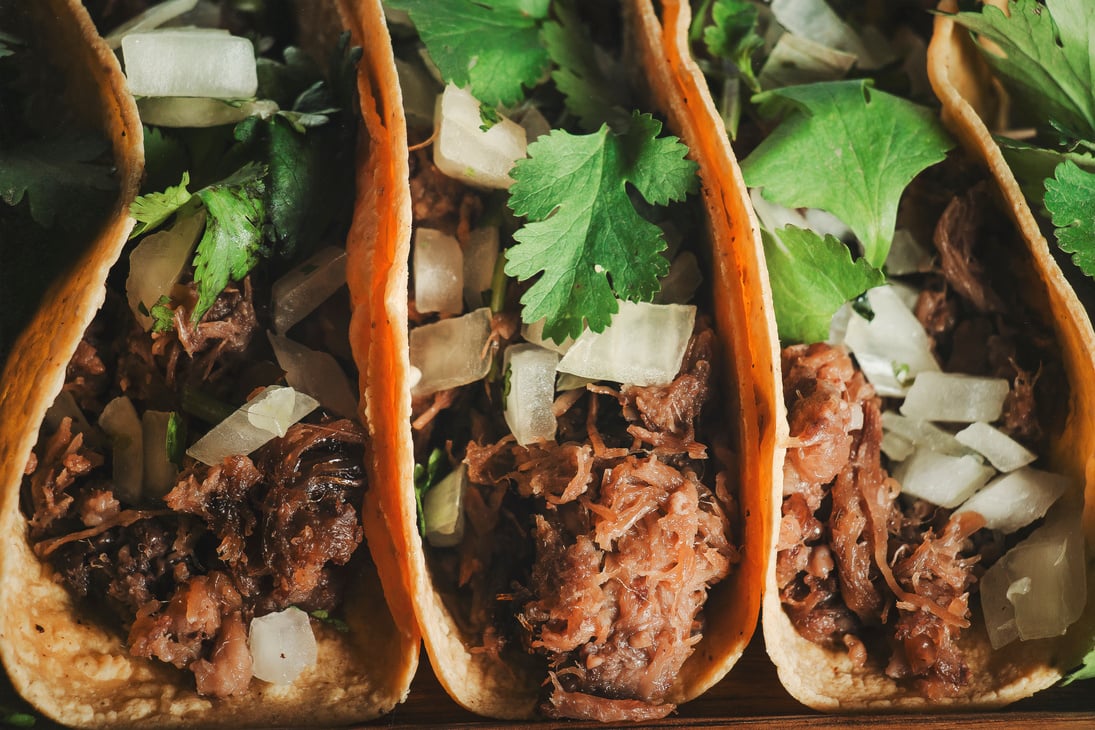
{"x":198,"y":482}
{"x":922,"y":382}
{"x":575,"y":492}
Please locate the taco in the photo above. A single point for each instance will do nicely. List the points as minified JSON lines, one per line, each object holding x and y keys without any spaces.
{"x":186,"y":544}
{"x":566,"y":546}
{"x":930,"y":550}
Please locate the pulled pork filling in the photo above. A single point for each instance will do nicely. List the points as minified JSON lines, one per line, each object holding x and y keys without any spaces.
{"x":589,"y":556}
{"x":887,"y":577}
{"x":183,"y":575}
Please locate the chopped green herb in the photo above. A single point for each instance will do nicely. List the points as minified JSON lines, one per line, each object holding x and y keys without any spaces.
{"x":162,"y":314}
{"x":425,"y":477}
{"x":176,"y":438}
{"x":1084,"y":671}
{"x":335,"y":623}
{"x":848,"y":149}
{"x":493,"y":46}
{"x":732,"y":35}
{"x":584,"y":235}
{"x":152,"y":210}
{"x":812,"y":277}
{"x":12,"y":718}
{"x":51,"y":173}
{"x":1070,"y":200}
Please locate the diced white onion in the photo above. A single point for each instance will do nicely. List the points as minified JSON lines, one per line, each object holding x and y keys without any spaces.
{"x":266,"y":416}
{"x":160,"y":473}
{"x":534,"y":123}
{"x":443,"y":509}
{"x":906,"y":255}
{"x":198,"y":111}
{"x":153,"y":17}
{"x":1039,"y":588}
{"x":530,"y":392}
{"x":941,"y":479}
{"x":824,"y":223}
{"x":438,"y":272}
{"x":120,"y":422}
{"x":534,"y":333}
{"x":298,"y":293}
{"x":814,"y":19}
{"x":566,"y":381}
{"x":480,"y":256}
{"x":200,"y":62}
{"x":680,"y":284}
{"x":451,"y":352}
{"x":1015,"y":500}
{"x":922,"y":434}
{"x":419,"y":93}
{"x":797,"y":59}
{"x":774,"y":216}
{"x":282,"y":645}
{"x":644,"y":345}
{"x":65,"y":406}
{"x":315,"y":373}
{"x":892,"y":348}
{"x":1002,"y":451}
{"x":465,"y":152}
{"x":897,"y":448}
{"x":955,"y":398}
{"x":156,"y":263}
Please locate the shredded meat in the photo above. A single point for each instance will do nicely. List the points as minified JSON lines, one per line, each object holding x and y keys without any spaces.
{"x":956,"y":235}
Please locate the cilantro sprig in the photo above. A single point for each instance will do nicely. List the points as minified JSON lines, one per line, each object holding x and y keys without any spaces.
{"x":426,"y":476}
{"x":1070,"y":199}
{"x":51,"y":173}
{"x":584,"y":237}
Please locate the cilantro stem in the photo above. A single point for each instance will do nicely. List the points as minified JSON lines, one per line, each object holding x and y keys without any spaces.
{"x":204,"y":406}
{"x":498,"y":284}
{"x":16,"y":719}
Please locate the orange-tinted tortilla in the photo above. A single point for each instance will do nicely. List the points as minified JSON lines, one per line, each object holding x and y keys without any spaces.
{"x":476,"y":680}
{"x":68,"y":666}
{"x":828,"y":680}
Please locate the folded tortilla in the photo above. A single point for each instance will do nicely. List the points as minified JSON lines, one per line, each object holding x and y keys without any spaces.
{"x":476,"y":680}
{"x":826,"y":679}
{"x":67,"y":665}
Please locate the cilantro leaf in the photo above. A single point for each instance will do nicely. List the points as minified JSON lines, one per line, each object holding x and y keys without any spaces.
{"x":847,"y":149}
{"x":1085,"y":671}
{"x":1047,"y":58}
{"x":732,"y":35}
{"x":493,"y":45}
{"x":153,"y":209}
{"x":811,"y":279}
{"x":1070,"y":199}
{"x":1032,"y":165}
{"x":163,"y":316}
{"x":589,"y":93}
{"x":51,"y":173}
{"x":6,"y":42}
{"x":233,"y":236}
{"x":584,"y":234}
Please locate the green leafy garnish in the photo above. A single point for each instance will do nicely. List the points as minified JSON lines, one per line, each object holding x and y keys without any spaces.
{"x":588,"y":92}
{"x":163,"y":316}
{"x":176,"y":438}
{"x":425,"y":478}
{"x":848,"y":149}
{"x":732,"y":35}
{"x":492,"y":45}
{"x":7,"y":41}
{"x":13,"y":718}
{"x":1032,"y":165}
{"x":230,"y":246}
{"x":1046,"y":57}
{"x":51,"y":173}
{"x":1070,"y":200}
{"x":812,"y":277}
{"x":1085,"y":671}
{"x":335,"y":623}
{"x":584,"y":234}
{"x":152,"y":210}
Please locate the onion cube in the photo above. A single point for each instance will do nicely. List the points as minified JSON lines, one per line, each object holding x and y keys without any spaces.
{"x":892,"y":349}
{"x":315,"y":373}
{"x":947,"y":481}
{"x":680,"y":284}
{"x":65,"y":406}
{"x":443,"y":509}
{"x":897,"y":448}
{"x":282,"y":645}
{"x":1039,"y":588}
{"x":465,"y":152}
{"x":298,"y":293}
{"x":955,"y":398}
{"x":266,"y":416}
{"x":1015,"y":500}
{"x":643,"y":346}
{"x":534,"y":333}
{"x":204,"y":62}
{"x":198,"y":112}
{"x":480,"y":256}
{"x":120,"y":422}
{"x":452,"y":352}
{"x":922,"y":434}
{"x":153,"y":17}
{"x":156,"y":263}
{"x":160,"y":473}
{"x":438,"y":272}
{"x":1002,"y":451}
{"x":419,"y":92}
{"x":530,"y":392}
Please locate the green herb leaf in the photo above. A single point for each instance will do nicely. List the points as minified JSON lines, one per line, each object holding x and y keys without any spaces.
{"x":176,"y":438}
{"x":7,"y":41}
{"x":585,"y":234}
{"x":336,"y":623}
{"x":52,"y":173}
{"x":846,"y":148}
{"x":811,"y":279}
{"x":1032,"y":165}
{"x":732,"y":35}
{"x":13,"y":718}
{"x":1047,"y":57}
{"x":493,"y":45}
{"x":1085,"y":671}
{"x":1070,"y":200}
{"x":588,"y":91}
{"x":153,"y":209}
{"x":230,"y":246}
{"x":163,"y":315}
{"x":425,"y":478}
